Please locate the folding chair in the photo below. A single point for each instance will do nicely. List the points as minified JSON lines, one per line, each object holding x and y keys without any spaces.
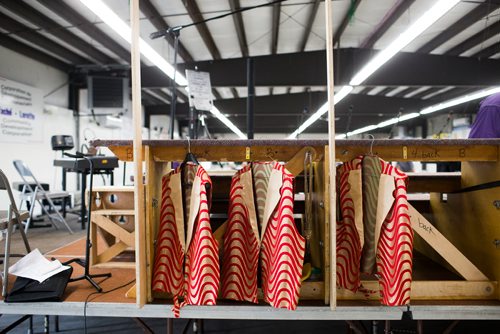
{"x":38,"y":194}
{"x":8,"y":219}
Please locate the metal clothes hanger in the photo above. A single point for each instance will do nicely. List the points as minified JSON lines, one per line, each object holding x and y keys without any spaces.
{"x":371,"y":145}
{"x":190,"y":157}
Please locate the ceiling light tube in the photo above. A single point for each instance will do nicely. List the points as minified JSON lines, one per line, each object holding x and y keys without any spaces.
{"x":460,"y":100}
{"x":397,"y":119}
{"x":428,"y":110}
{"x":216,"y":112}
{"x":119,"y":26}
{"x":362,"y":130}
{"x":343,"y":92}
{"x":424,"y":22}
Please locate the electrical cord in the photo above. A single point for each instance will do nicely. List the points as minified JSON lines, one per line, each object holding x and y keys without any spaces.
{"x":87,"y":300}
{"x":164,"y":32}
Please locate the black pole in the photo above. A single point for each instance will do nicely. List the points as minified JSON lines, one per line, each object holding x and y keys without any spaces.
{"x":192,"y":123}
{"x":85,"y":263}
{"x":174,"y":85}
{"x":250,"y":98}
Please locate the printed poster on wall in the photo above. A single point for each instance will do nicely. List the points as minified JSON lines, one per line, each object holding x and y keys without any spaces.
{"x":21,"y":111}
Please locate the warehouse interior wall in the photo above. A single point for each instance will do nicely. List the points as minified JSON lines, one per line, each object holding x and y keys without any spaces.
{"x":57,"y":119}
{"x":53,"y":84}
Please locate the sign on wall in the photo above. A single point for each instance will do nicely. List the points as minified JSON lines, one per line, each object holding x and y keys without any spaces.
{"x":21,"y":111}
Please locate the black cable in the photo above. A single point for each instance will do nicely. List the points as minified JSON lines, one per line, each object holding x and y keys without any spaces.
{"x":164,"y":32}
{"x":102,"y":293}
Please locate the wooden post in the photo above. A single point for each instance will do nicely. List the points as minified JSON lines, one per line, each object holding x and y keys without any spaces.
{"x":140,"y":231}
{"x":331,"y":153}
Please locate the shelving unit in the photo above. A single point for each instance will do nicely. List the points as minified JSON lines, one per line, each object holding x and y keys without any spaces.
{"x":484,"y":153}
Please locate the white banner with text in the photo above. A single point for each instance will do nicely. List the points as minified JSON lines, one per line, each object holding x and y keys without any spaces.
{"x":21,"y":112}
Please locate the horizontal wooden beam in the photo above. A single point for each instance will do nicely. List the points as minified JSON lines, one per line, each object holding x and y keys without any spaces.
{"x":282,"y":150}
{"x":433,"y":290}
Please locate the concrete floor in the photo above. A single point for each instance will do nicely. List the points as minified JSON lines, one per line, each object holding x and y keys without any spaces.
{"x":47,"y":238}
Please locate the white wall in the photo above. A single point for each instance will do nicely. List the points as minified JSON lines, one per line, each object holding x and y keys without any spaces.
{"x":38,"y":156}
{"x":57,"y":120}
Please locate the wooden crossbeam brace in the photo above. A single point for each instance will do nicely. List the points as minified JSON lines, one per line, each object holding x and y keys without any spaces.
{"x":111,"y":227}
{"x":445,"y":248}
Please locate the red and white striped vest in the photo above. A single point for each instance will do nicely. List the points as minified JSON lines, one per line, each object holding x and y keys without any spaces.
{"x":186,"y":262}
{"x":379,"y":232}
{"x":262,"y":226}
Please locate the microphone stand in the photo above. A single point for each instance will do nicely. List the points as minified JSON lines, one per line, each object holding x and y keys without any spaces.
{"x":85,"y":263}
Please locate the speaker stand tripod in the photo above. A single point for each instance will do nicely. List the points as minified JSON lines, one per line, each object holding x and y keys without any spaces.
{"x":85,"y":263}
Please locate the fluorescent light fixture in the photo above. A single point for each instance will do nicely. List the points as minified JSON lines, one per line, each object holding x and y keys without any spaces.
{"x":344,"y":91}
{"x":227,"y":122}
{"x":123,"y":30}
{"x":460,"y":100}
{"x":424,"y":22}
{"x":397,"y":119}
{"x":428,"y":110}
{"x":362,"y":130}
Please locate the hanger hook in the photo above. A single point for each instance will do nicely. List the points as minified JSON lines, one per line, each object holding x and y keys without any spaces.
{"x":371,"y":143}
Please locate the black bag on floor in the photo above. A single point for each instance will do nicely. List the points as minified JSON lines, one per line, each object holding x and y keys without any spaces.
{"x":28,"y":290}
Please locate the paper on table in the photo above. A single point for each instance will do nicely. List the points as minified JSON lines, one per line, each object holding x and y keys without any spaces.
{"x":36,"y":266}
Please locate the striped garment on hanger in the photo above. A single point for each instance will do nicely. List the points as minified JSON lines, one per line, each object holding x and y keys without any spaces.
{"x":186,"y":259}
{"x":261,"y":226}
{"x":374,"y":234}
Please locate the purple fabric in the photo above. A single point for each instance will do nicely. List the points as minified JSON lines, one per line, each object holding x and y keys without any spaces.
{"x":487,"y":123}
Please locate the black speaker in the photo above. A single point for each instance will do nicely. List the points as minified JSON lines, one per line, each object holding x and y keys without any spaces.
{"x":62,"y":143}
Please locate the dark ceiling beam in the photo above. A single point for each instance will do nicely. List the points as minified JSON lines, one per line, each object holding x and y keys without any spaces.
{"x":422,"y":93}
{"x":363,"y":113}
{"x":466,"y":21}
{"x":428,"y":91}
{"x":405,"y":69}
{"x":80,"y":22}
{"x":308,"y":27}
{"x":162,"y":94}
{"x":475,"y":40}
{"x":240,"y":27}
{"x":206,"y":36}
{"x":456,"y":92}
{"x":152,"y":14}
{"x":387,"y":21}
{"x":275,"y":27}
{"x":297,"y":103}
{"x":196,"y":16}
{"x":26,"y":33}
{"x":385,"y":91}
{"x":25,"y":50}
{"x":151,"y":100}
{"x":345,"y":21}
{"x":32,"y":15}
{"x":488,"y":52}
{"x":404,"y":92}
{"x":365,"y":90}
